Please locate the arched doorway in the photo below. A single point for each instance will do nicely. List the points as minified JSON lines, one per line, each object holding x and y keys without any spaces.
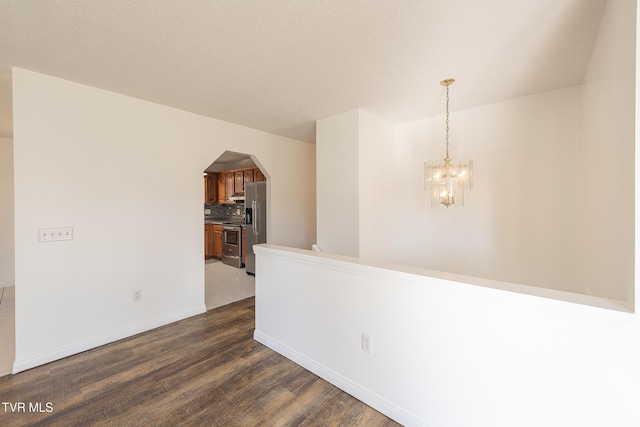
{"x":228,"y":181}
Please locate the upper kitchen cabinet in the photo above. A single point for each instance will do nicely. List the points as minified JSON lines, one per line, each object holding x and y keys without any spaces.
{"x":230,"y":172}
{"x":238,"y":184}
{"x":222,"y":187}
{"x":230,"y":184}
{"x":258,"y":175}
{"x":210,"y":188}
{"x":248,"y":176}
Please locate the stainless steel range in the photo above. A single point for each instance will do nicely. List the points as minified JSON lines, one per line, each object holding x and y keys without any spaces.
{"x":231,"y":217}
{"x":232,"y":245}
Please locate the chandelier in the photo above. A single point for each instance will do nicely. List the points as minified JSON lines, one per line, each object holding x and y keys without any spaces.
{"x":447,"y":181}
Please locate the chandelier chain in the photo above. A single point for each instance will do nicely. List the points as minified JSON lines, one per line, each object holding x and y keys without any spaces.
{"x":447,"y":134}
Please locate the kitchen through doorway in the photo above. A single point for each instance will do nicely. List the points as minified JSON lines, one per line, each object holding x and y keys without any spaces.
{"x":228,"y":254}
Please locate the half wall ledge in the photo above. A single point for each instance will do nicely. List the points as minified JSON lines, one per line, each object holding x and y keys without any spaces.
{"x":388,"y":270}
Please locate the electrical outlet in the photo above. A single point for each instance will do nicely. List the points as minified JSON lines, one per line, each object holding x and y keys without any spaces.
{"x":137,"y":295}
{"x":366,"y":343}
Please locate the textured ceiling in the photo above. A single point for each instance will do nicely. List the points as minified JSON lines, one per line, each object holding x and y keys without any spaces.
{"x":279,"y":65}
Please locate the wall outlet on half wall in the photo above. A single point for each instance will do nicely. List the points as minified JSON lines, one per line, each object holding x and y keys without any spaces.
{"x":366,"y":343}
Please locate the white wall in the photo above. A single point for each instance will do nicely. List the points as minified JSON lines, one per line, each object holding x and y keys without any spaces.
{"x":337,"y":180}
{"x":7,"y":254}
{"x":522,"y":221}
{"x":552,"y":203}
{"x":127,"y":176}
{"x":446,"y":353}
{"x":377,"y":198}
{"x":609,"y":114}
{"x":354,"y":189}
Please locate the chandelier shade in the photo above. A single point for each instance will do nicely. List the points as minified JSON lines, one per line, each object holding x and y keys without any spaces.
{"x":447,"y":181}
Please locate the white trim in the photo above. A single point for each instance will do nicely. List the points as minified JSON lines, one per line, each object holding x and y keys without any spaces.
{"x":378,"y":403}
{"x":19,"y":366}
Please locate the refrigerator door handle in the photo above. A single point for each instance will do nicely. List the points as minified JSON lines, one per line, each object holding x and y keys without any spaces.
{"x":256,"y":219}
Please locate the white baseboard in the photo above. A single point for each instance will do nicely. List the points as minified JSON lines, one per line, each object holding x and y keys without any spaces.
{"x":375,"y":401}
{"x":23,"y":365}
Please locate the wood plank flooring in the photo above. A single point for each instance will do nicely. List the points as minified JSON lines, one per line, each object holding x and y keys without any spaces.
{"x":203,"y":371}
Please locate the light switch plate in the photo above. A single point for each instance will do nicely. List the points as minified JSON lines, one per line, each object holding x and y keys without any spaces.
{"x":55,"y":234}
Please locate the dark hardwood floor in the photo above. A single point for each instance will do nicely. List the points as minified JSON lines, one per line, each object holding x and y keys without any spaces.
{"x":203,"y":371}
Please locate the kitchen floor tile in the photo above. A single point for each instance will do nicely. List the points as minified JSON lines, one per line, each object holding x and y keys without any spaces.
{"x":225,"y":284}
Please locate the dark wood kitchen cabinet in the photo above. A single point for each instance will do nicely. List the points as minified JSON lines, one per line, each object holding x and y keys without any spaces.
{"x":219,"y":187}
{"x":258,"y":176}
{"x":238,"y":184}
{"x":248,"y":176}
{"x":222,"y":188}
{"x":211,"y":188}
{"x":217,"y":241}
{"x":230,"y":184}
{"x":212,"y":241}
{"x":208,"y":241}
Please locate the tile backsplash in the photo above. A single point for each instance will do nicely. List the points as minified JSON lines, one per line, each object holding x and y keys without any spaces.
{"x":217,"y":211}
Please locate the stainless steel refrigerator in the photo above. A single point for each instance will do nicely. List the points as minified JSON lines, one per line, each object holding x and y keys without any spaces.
{"x":255,"y":209}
